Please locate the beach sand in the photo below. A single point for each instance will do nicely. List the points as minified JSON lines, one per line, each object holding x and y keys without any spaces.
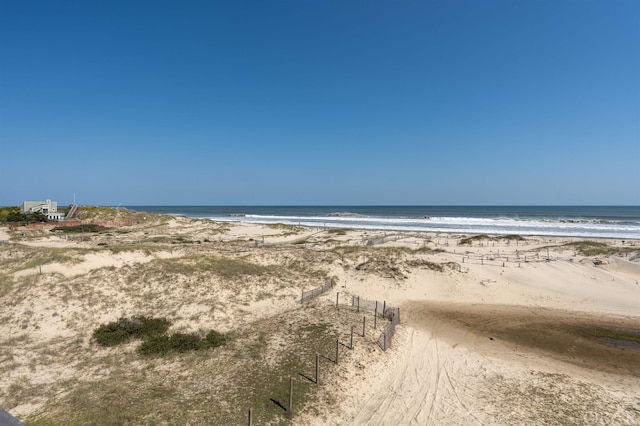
{"x":494,"y":331}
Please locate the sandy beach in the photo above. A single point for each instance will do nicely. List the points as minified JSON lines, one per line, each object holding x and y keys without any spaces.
{"x":493,"y":330}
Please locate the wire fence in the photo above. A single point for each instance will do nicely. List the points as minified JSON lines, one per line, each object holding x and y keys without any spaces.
{"x":313,"y":293}
{"x":384,"y":341}
{"x":388,"y":312}
{"x":380,"y":310}
{"x":498,"y":260}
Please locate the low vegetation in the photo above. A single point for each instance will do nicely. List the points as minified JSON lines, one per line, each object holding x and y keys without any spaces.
{"x":153,"y":333}
{"x":286,"y":229}
{"x":438,"y":267}
{"x":106,"y":214}
{"x":470,"y":240}
{"x":89,"y":227}
{"x":339,"y":231}
{"x":125,"y":329}
{"x":513,"y":237}
{"x":596,"y":248}
{"x":29,"y":257}
{"x":180,"y":342}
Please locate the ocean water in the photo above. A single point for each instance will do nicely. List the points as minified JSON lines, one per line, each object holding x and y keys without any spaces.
{"x":622,"y":222}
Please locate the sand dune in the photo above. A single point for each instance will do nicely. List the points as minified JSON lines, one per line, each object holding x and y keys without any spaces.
{"x":491,"y":333}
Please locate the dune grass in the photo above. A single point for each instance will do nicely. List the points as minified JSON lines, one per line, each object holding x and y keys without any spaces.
{"x":31,"y":257}
{"x":596,"y":248}
{"x":478,"y":238}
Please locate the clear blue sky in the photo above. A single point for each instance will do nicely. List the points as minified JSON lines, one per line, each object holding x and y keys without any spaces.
{"x":320,"y":102}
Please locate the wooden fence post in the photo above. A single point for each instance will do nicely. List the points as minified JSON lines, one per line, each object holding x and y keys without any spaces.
{"x":337,"y":295}
{"x":290,"y":395}
{"x":384,"y":308}
{"x":364,"y":324}
{"x":351,"y":340}
{"x":317,"y":370}
{"x":375,"y":316}
{"x":358,"y":303}
{"x":250,"y":418}
{"x":337,"y":349}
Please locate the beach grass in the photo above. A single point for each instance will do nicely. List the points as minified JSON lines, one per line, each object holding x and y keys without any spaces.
{"x":475,"y":238}
{"x":597,"y":248}
{"x":31,"y":257}
{"x":338,"y":231}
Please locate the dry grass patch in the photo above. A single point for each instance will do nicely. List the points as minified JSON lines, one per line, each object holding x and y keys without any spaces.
{"x":597,"y":248}
{"x":25,"y":257}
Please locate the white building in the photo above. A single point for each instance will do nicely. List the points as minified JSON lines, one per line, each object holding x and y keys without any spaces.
{"x":48,"y":208}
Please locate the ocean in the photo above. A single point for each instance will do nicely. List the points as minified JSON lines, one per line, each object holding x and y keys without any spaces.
{"x":620,"y":222}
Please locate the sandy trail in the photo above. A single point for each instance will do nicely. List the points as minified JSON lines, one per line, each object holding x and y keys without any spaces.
{"x":428,"y":387}
{"x":448,"y":374}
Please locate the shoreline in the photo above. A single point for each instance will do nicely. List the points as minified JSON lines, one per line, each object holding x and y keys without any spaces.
{"x":617,"y":222}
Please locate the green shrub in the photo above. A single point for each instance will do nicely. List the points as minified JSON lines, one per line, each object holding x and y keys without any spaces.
{"x":110,"y":335}
{"x":155,"y":340}
{"x":156,"y":345}
{"x":117,"y":332}
{"x":215,"y":339}
{"x":182,"y":342}
{"x":513,"y":237}
{"x":153,"y":326}
{"x":90,"y":227}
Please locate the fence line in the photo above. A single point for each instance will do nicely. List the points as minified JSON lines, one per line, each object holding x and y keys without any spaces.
{"x":313,"y":293}
{"x":384,"y":340}
{"x":387,"y":312}
{"x":500,"y":260}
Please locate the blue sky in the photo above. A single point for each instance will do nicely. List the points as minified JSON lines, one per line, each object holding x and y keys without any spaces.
{"x":320,"y":102}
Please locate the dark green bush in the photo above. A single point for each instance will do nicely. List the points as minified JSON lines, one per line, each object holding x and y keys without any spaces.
{"x":89,"y":227}
{"x":215,"y":339}
{"x":110,"y":335}
{"x":153,"y":326}
{"x":514,"y":237}
{"x":153,"y":332}
{"x":155,"y":345}
{"x":182,"y":342}
{"x":117,"y":332}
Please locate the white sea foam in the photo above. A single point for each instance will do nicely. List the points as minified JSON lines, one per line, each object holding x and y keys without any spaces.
{"x":470,"y":225}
